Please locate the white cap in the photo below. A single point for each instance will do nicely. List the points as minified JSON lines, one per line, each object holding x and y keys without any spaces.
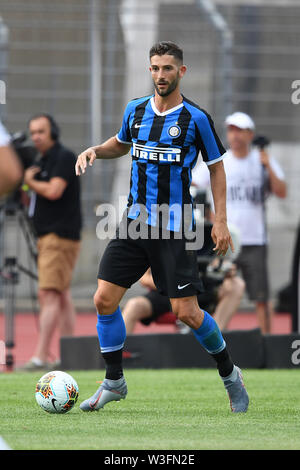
{"x":241,"y":120}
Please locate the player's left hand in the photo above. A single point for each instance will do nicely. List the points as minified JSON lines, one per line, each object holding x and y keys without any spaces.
{"x":222,"y":238}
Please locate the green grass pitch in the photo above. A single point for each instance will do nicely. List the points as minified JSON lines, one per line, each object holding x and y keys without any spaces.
{"x":183,"y":409}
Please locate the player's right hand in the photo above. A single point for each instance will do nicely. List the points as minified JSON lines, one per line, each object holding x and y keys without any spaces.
{"x":81,"y":164}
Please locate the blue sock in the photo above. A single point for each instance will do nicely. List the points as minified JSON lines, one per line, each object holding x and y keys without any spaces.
{"x":209,"y":335}
{"x":111,"y":331}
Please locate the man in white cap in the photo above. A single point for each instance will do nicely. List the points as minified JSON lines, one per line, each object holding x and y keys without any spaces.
{"x":251,"y":174}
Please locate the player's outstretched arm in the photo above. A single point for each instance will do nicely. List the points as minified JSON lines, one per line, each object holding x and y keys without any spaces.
{"x":112,"y":148}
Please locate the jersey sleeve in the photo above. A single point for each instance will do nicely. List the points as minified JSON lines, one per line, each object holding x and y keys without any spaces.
{"x":124,"y":134}
{"x":207,"y":140}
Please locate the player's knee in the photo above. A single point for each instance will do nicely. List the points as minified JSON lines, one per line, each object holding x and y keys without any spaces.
{"x":185,"y":311}
{"x":103,"y":303}
{"x":186,"y":316}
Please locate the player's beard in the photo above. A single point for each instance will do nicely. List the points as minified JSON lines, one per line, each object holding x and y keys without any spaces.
{"x":172,"y":86}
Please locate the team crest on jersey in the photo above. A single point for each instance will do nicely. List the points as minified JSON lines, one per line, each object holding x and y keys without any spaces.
{"x":174,"y":131}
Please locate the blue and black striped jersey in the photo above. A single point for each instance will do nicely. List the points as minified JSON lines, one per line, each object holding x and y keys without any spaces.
{"x":165,"y":148}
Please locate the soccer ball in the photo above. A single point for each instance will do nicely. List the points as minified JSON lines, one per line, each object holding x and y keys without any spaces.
{"x":56,"y":392}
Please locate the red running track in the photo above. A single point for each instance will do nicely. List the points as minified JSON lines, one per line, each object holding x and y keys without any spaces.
{"x":26,"y":330}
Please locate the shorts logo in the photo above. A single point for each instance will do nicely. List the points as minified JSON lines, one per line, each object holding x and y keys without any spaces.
{"x":174,"y":131}
{"x":182,"y":287}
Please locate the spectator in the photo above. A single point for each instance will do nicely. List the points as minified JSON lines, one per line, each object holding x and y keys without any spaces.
{"x":55,"y":210}
{"x":251,"y":175}
{"x":10,"y":166}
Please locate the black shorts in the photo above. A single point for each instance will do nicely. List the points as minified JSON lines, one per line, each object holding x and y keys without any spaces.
{"x":174,"y":269}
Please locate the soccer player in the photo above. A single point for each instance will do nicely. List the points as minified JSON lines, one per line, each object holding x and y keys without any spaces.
{"x":165,"y":132}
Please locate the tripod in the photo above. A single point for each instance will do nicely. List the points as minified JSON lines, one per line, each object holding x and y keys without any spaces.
{"x":14,"y":222}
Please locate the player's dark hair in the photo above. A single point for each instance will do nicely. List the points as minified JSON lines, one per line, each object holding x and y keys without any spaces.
{"x":54,"y":129}
{"x":167,"y":47}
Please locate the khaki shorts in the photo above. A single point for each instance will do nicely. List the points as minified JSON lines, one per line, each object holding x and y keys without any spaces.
{"x":56,"y":261}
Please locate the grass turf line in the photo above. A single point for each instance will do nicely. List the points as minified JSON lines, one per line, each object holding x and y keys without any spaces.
{"x":165,"y":409}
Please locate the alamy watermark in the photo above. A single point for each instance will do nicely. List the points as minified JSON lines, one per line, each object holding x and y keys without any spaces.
{"x":295,"y":97}
{"x":158,"y":221}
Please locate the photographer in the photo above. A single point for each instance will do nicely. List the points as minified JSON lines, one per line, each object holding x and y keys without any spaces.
{"x":251,"y":175}
{"x":56,"y":215}
{"x":10,"y":167}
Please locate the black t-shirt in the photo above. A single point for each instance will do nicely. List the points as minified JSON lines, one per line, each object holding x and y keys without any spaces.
{"x":62,"y":216}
